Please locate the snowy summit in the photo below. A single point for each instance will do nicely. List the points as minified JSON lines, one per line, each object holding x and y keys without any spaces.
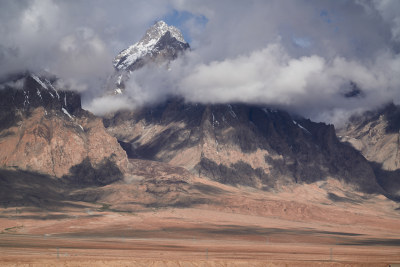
{"x":149,"y":45}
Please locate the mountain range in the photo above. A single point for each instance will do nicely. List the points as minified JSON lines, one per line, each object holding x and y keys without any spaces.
{"x":44,"y":129}
{"x":182,"y":179}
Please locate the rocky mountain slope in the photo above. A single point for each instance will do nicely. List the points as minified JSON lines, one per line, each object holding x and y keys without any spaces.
{"x":240,"y":144}
{"x":376,"y":134}
{"x":45,"y":130}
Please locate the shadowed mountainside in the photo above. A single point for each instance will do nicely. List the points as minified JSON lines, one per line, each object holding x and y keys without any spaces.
{"x":376,"y":135}
{"x":240,"y":144}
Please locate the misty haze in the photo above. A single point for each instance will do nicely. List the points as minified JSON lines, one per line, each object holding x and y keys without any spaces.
{"x":229,"y":133}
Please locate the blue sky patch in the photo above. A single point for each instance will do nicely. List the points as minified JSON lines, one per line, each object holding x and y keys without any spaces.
{"x":303,"y":42}
{"x":179,"y":18}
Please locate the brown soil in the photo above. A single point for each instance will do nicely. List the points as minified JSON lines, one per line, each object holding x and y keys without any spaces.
{"x":297,"y":226}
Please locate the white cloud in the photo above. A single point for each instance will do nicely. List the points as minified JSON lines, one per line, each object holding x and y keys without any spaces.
{"x":265,"y":76}
{"x":389,"y":10}
{"x":105,"y":104}
{"x":300,"y":55}
{"x":310,"y":85}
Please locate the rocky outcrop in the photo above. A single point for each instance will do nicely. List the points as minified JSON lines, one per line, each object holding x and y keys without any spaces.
{"x":376,"y":134}
{"x":240,"y":144}
{"x":28,"y":91}
{"x":46,"y":131}
{"x":22,"y":93}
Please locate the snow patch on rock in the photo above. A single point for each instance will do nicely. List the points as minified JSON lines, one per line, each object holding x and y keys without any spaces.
{"x":128,"y":56}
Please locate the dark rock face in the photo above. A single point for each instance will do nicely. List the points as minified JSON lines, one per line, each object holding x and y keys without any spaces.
{"x":33,"y":92}
{"x":241,"y":144}
{"x":37,"y":92}
{"x":376,"y":135}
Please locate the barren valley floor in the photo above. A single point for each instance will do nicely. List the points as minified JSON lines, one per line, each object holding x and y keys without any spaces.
{"x":236,"y":231}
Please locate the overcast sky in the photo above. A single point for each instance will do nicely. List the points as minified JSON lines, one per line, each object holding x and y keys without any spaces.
{"x":300,"y":55}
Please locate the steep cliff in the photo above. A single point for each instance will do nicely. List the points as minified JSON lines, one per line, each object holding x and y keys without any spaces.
{"x":45,"y":130}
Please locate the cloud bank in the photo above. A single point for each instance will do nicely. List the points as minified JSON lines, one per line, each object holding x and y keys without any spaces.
{"x":76,"y":40}
{"x":304,"y":56}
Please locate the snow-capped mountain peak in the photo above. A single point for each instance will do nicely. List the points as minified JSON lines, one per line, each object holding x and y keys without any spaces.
{"x":148,"y":44}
